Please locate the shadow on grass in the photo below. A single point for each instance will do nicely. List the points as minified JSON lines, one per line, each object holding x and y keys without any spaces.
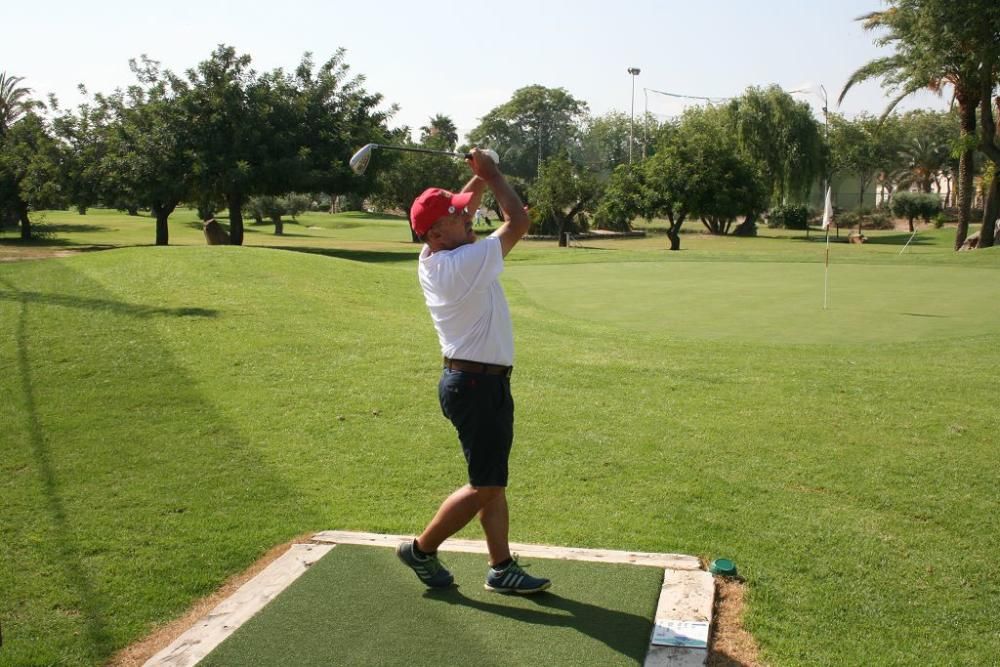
{"x":367,"y":256}
{"x":211,"y":478}
{"x":119,"y":307}
{"x":92,"y":603}
{"x":898,"y":239}
{"x":618,"y":630}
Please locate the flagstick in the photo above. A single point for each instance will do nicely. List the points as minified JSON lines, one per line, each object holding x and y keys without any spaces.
{"x":827,"y":219}
{"x":908,"y":241}
{"x":826,"y":270}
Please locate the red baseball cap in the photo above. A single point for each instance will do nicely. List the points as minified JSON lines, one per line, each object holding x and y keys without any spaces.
{"x":432,"y":205}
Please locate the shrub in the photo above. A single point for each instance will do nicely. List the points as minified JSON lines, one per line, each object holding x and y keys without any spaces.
{"x":911,"y":205}
{"x":939,"y":220}
{"x":878,"y":221}
{"x":788,"y":216}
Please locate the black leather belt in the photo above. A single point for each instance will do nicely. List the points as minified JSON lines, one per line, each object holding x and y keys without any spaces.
{"x":477,"y":367}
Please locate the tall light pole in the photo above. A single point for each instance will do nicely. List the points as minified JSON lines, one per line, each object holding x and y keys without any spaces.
{"x":634,"y":71}
{"x":826,"y":122}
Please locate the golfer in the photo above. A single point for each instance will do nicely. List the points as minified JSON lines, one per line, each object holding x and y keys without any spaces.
{"x":460,"y":279}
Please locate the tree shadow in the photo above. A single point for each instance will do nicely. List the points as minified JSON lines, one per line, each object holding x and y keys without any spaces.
{"x":119,"y":307}
{"x":624,"y":633}
{"x":367,"y":256}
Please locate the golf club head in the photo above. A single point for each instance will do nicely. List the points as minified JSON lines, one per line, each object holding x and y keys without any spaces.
{"x":493,"y":155}
{"x":359,"y":161}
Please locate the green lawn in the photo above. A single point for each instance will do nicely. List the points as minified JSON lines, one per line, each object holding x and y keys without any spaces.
{"x":169,"y":414}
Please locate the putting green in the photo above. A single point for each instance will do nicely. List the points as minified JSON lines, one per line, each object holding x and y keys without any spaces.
{"x":360,"y":606}
{"x":772,"y":302}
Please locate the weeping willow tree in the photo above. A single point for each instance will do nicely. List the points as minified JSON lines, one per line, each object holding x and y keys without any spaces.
{"x":781,"y":136}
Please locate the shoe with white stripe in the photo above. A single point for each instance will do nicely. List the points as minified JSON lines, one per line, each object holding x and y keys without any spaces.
{"x":513,"y":579}
{"x":428,"y":568}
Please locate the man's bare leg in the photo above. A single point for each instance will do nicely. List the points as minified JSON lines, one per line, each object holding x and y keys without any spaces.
{"x":456,"y":512}
{"x":495,"y":520}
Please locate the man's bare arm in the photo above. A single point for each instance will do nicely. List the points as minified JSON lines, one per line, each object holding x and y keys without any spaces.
{"x":516,"y":218}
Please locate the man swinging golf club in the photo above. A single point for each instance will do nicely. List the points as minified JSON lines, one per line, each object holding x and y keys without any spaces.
{"x":459,"y":278}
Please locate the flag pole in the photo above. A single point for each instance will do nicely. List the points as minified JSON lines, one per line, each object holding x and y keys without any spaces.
{"x":826,"y":270}
{"x":827,"y":219}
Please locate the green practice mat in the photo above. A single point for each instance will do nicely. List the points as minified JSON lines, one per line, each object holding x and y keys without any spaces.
{"x":360,"y":606}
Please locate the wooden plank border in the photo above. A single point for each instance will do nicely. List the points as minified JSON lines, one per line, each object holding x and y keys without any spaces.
{"x":234,"y":611}
{"x":687,"y":593}
{"x":672,"y":561}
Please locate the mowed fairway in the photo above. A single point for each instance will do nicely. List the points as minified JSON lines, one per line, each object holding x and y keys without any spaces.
{"x":169,"y":414}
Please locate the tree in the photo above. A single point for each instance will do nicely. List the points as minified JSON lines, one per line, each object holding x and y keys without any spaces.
{"x":938,"y":131}
{"x":603,"y":143}
{"x":149,"y":146}
{"x":84,"y":135}
{"x":865,"y":147}
{"x":30,"y":164}
{"x":622,"y":199}
{"x":15,"y":101}
{"x":535,"y":124}
{"x":440,"y":131}
{"x":697,"y":171}
{"x":276,"y":133}
{"x":923,"y":160}
{"x":781,"y":136}
{"x":401,"y":177}
{"x":561,"y":194}
{"x":911,"y":205}
{"x":939,"y":44}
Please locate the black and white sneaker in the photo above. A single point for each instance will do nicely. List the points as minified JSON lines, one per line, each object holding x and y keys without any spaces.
{"x":428,"y":568}
{"x":513,"y":579}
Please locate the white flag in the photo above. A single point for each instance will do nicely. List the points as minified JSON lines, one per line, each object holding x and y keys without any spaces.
{"x":827,"y":211}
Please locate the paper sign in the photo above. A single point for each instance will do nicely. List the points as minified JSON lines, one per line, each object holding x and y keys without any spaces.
{"x":690,"y":634}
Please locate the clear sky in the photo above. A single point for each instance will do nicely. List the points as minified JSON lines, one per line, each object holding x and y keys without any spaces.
{"x":462,"y":59}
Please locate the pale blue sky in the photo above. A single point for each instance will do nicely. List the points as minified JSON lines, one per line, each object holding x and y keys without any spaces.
{"x":464,"y":58}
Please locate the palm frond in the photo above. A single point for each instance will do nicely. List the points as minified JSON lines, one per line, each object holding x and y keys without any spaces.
{"x":871,"y":70}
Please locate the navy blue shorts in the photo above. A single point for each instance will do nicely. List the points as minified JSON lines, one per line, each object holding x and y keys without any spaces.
{"x":482,"y":410}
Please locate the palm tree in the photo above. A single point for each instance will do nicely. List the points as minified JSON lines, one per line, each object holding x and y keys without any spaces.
{"x":14,"y":101}
{"x":440,"y":130}
{"x":923,"y":160}
{"x":925,"y":59}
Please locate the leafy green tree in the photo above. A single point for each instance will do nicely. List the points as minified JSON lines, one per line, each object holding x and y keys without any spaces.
{"x":401,"y":177}
{"x":149,"y":146}
{"x":535,"y":124}
{"x":275,"y":208}
{"x":865,"y":147}
{"x":30,"y":164}
{"x":335,"y":116}
{"x":84,"y":134}
{"x":698,"y":171}
{"x":939,"y":44}
{"x":622,"y":199}
{"x":440,"y":132}
{"x":228,"y":105}
{"x":912,"y":205}
{"x":561,"y":194}
{"x":781,"y":136}
{"x":603,"y":143}
{"x":276,"y":133}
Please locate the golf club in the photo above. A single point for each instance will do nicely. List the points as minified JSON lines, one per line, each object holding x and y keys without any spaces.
{"x":359,"y":161}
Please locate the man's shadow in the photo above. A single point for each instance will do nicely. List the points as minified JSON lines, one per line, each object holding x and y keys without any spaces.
{"x":622,"y":632}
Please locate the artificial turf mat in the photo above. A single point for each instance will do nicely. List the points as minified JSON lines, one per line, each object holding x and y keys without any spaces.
{"x":360,"y":606}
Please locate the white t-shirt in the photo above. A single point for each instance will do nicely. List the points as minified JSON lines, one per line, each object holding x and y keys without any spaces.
{"x":462,"y":291}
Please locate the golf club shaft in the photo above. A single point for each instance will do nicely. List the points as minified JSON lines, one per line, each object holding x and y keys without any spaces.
{"x":414,"y":149}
